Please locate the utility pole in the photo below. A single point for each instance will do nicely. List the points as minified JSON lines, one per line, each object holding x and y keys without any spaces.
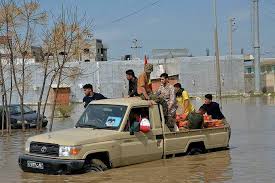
{"x":231,"y":29}
{"x":135,"y":47}
{"x":218,"y":72}
{"x":207,"y":52}
{"x":256,"y":44}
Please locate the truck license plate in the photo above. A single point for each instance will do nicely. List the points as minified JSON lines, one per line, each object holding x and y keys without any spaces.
{"x":34,"y":164}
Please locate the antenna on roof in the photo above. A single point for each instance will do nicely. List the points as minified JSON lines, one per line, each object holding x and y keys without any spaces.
{"x":135,"y":47}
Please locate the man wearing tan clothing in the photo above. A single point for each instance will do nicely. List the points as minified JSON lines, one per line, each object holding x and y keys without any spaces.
{"x":144,"y":89}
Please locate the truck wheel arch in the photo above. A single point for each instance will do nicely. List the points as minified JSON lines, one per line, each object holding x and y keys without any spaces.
{"x":195,"y":145}
{"x":103,"y":156}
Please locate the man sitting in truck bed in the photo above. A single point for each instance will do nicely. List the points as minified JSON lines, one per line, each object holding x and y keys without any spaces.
{"x":212,"y":108}
{"x":195,"y":119}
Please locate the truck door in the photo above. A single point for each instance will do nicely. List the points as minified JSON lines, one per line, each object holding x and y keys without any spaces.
{"x":140,"y":147}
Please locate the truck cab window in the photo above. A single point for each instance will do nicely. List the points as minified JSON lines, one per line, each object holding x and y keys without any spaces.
{"x":102,"y":116}
{"x":136,"y":115}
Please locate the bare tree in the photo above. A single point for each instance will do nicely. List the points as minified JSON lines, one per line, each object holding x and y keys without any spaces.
{"x":5,"y":109}
{"x":67,"y":32}
{"x":51,"y":69}
{"x":63,"y":42}
{"x":3,"y":97}
{"x":48,"y":69}
{"x":6,"y":14}
{"x":20,"y":22}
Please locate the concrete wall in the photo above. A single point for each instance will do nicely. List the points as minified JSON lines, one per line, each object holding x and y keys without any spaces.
{"x":197,"y":74}
{"x":267,"y":82}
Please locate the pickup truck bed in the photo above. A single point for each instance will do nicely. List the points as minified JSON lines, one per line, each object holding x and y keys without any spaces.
{"x":207,"y":138}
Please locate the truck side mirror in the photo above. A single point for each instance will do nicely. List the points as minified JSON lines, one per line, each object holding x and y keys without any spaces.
{"x":134,"y":128}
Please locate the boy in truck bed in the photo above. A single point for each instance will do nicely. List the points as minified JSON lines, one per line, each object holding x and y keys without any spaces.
{"x":212,"y":108}
{"x":194,"y":120}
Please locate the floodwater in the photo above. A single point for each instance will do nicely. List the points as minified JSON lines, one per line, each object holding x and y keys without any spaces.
{"x":251,"y":157}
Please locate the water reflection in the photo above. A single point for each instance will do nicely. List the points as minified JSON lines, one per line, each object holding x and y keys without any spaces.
{"x":213,"y":167}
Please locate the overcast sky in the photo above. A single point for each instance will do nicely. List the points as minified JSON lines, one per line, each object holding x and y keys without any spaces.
{"x":172,"y":24}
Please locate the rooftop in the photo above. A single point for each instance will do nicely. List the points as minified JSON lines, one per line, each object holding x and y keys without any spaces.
{"x":264,"y":61}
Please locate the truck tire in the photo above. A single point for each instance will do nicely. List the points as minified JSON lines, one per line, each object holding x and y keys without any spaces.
{"x":95,"y":165}
{"x":195,"y":151}
{"x":44,"y":125}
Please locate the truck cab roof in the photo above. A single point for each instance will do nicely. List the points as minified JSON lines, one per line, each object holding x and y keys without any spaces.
{"x":131,"y":102}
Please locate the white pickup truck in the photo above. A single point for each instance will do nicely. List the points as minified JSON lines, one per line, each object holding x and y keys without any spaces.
{"x":108,"y":136}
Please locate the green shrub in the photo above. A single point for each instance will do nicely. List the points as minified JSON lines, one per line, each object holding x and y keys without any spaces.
{"x":64,"y":110}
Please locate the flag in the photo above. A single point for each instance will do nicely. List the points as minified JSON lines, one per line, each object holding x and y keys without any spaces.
{"x":145,"y":60}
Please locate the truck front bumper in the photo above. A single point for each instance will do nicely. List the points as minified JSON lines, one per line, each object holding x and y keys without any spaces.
{"x":49,"y":165}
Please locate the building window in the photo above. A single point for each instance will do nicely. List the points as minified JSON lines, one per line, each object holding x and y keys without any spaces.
{"x":249,"y":70}
{"x":86,"y":50}
{"x":99,"y":41}
{"x":98,"y":50}
{"x":268,"y":68}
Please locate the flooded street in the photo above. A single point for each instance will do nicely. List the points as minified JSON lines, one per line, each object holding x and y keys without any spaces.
{"x":251,"y":157}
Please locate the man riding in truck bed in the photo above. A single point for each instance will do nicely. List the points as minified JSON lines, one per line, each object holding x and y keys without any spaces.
{"x":212,"y":108}
{"x":90,"y":95}
{"x":167,"y":92}
{"x":146,"y":93}
{"x":144,"y":89}
{"x":132,"y":91}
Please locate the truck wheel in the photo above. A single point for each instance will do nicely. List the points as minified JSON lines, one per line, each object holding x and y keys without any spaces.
{"x":95,"y":165}
{"x":195,"y":151}
{"x":44,"y":125}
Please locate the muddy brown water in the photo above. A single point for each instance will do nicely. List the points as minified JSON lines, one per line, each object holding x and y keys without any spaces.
{"x":251,"y":157}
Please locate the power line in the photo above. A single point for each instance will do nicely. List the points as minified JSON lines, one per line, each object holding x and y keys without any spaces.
{"x":136,"y":12}
{"x":129,"y":15}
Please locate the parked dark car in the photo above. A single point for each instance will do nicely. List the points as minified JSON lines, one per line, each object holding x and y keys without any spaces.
{"x":30,"y":117}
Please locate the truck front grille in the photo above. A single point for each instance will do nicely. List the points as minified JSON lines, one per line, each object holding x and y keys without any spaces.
{"x":44,"y":148}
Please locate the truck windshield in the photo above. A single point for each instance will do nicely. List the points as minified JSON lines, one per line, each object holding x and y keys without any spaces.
{"x":101,"y":116}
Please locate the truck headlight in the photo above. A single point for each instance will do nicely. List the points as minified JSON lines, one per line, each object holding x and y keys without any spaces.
{"x":65,"y":151}
{"x":27,"y":146}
